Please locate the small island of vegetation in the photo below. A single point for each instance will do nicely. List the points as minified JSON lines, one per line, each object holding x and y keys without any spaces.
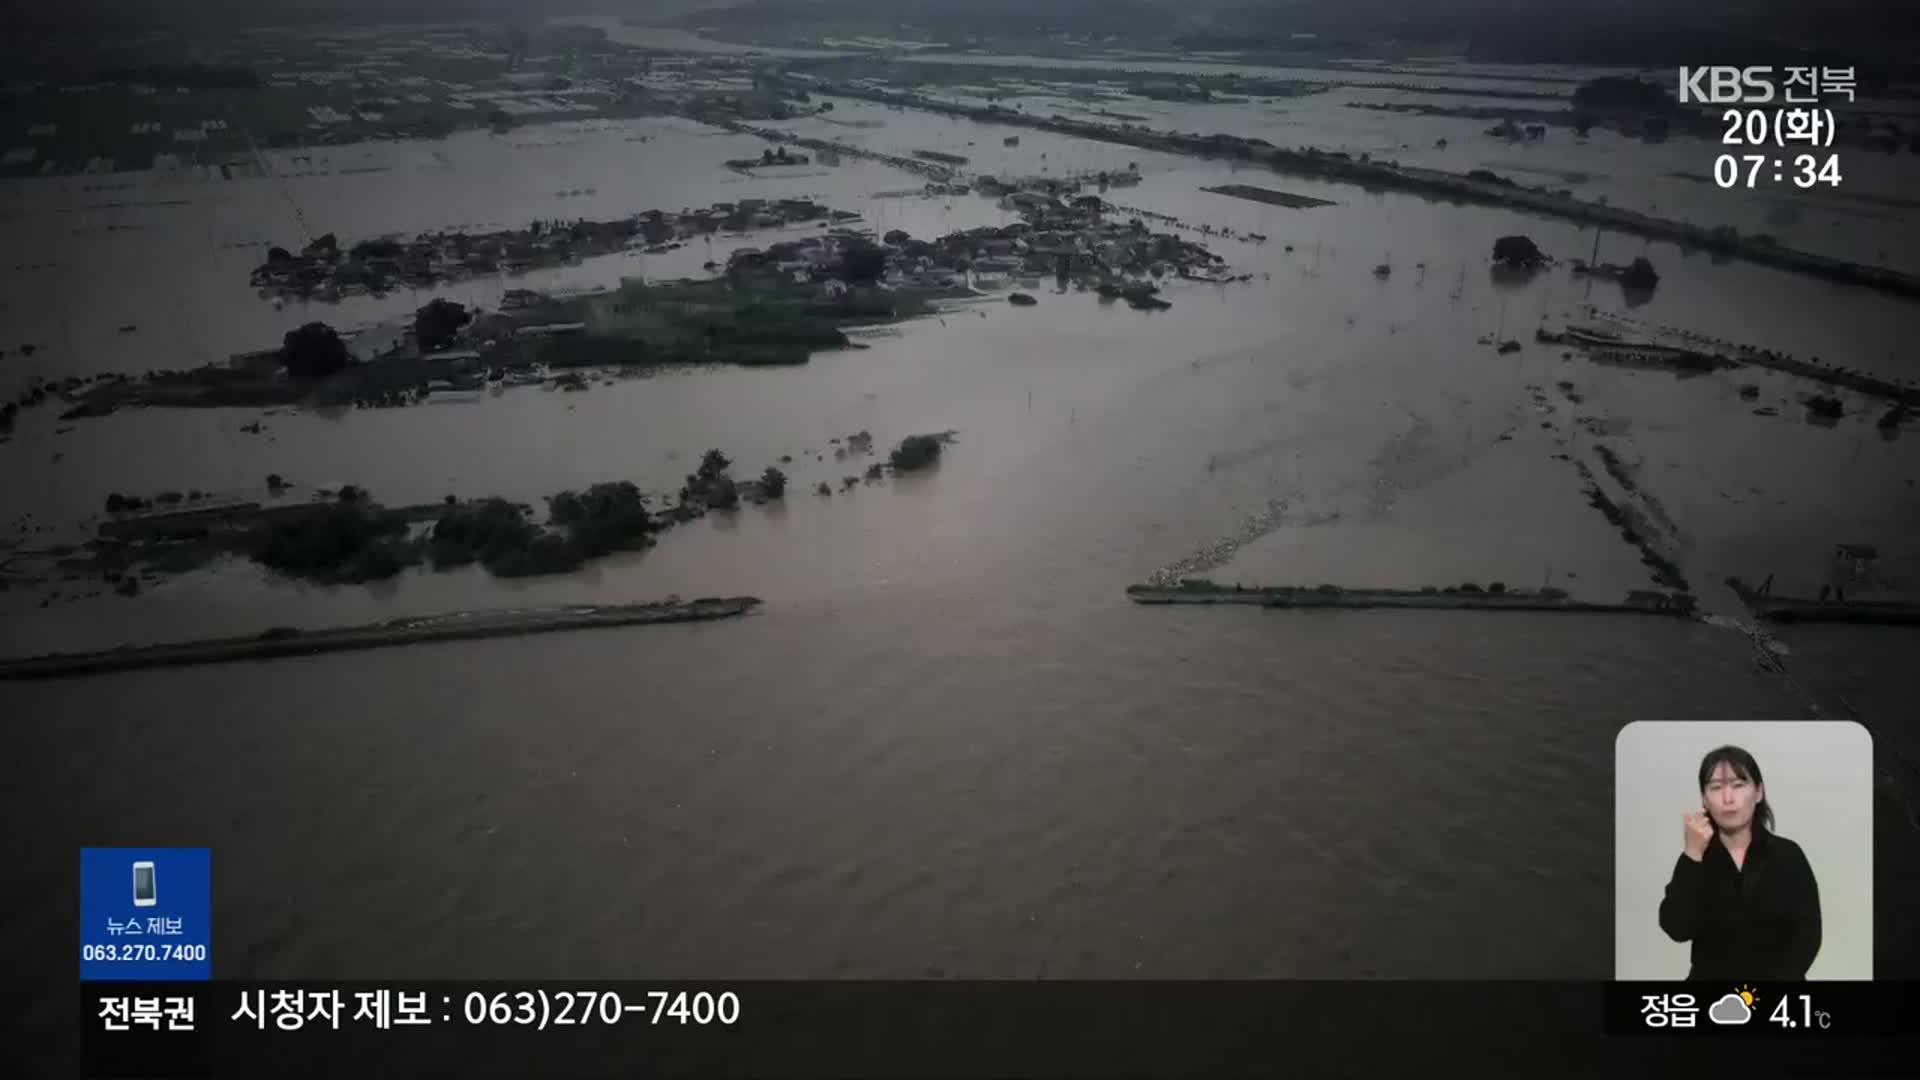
{"x":343,"y":535}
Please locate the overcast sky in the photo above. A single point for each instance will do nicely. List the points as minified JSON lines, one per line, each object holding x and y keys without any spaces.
{"x":1899,"y":18}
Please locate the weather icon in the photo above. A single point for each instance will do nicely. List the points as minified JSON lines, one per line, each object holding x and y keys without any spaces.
{"x":1734,"y":1008}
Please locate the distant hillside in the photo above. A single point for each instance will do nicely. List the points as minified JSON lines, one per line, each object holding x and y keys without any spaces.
{"x":1008,"y":18}
{"x":1649,"y":33}
{"x":1638,"y":33}
{"x":191,"y":14}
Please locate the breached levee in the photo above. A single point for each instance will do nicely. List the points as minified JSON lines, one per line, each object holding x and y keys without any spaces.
{"x":1479,"y":186}
{"x":1607,"y":347}
{"x":1803,"y":609}
{"x":1268,"y":195}
{"x":458,"y":626}
{"x":1468,"y":597}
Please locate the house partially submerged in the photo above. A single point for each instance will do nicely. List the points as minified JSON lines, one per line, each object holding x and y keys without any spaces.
{"x":1853,"y":566}
{"x":1655,"y":600}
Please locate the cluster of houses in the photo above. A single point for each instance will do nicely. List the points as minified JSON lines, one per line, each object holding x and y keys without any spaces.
{"x":1069,"y":238}
{"x":1073,"y":235}
{"x":737,"y":217}
{"x":325,"y":270}
{"x":1517,"y":131}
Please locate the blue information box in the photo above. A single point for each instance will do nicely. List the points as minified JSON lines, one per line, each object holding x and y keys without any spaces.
{"x":146,"y":914}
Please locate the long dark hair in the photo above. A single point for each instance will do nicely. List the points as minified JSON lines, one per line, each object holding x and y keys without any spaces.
{"x":1745,"y":768}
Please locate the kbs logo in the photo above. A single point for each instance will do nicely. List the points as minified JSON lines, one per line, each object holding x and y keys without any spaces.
{"x":1726,"y":85}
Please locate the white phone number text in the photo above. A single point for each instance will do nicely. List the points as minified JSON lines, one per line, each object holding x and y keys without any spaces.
{"x":541,"y":1009}
{"x":143,"y":952}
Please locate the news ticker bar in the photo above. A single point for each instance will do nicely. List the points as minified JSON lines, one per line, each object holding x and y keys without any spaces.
{"x":842,"y":1028}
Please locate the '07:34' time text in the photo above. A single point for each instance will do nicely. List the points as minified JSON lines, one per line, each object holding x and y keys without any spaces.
{"x":1747,"y":170}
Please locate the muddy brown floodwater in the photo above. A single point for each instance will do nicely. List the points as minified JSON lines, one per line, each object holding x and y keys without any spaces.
{"x":949,"y":745}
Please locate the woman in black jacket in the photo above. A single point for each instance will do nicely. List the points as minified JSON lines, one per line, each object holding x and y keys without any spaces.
{"x":1744,"y":896}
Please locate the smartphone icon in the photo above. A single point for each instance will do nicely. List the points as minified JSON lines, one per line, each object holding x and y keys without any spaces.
{"x":143,"y":887}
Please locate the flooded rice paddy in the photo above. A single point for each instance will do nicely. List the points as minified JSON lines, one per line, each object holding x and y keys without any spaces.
{"x":948,"y":746}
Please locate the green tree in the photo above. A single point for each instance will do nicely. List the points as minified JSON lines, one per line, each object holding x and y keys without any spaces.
{"x":436,"y":323}
{"x":1517,"y":251}
{"x":333,"y":542}
{"x":773,"y":483}
{"x":916,"y":451}
{"x":863,"y":263}
{"x":604,"y":518}
{"x":547,"y":554}
{"x":484,"y":531}
{"x":313,"y":350}
{"x":383,"y":247}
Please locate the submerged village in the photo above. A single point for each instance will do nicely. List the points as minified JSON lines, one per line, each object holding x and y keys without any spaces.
{"x":771,"y":305}
{"x":880,"y":491}
{"x":767,"y":305}
{"x":793,"y":276}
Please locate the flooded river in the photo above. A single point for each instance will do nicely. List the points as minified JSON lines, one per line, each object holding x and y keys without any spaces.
{"x":948,"y":746}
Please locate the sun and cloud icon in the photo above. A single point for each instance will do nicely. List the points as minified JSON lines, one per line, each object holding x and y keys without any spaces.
{"x":1733,"y":1008}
